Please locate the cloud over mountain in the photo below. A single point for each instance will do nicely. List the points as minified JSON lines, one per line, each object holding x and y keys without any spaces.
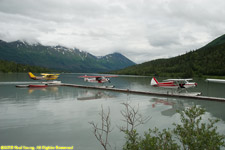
{"x":142,"y":29}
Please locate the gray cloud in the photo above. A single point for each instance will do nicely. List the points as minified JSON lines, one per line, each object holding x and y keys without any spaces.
{"x":140,"y":29}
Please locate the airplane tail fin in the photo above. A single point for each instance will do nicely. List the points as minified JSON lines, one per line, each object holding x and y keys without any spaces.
{"x":154,"y":81}
{"x":31,"y":75}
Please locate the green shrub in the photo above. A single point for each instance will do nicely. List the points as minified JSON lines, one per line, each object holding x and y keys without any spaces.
{"x":196,"y":135}
{"x":191,"y":133}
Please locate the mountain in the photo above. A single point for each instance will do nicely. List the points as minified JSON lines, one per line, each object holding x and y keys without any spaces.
{"x":60,"y":58}
{"x":115,"y":60}
{"x":206,"y":61}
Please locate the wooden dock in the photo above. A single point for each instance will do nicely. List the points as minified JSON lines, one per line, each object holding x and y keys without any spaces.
{"x":146,"y":93}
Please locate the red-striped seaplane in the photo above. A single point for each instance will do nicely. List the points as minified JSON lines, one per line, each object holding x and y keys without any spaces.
{"x":178,"y":84}
{"x":174,"y":83}
{"x":97,"y":79}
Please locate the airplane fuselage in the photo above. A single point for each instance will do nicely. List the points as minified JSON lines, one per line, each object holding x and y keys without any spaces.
{"x":96,"y":80}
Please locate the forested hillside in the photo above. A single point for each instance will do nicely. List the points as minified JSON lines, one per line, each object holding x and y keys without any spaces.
{"x":6,"y":67}
{"x":206,"y":61}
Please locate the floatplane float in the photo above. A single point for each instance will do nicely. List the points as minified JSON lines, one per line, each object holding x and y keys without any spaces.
{"x":98,"y":79}
{"x":180,"y":86}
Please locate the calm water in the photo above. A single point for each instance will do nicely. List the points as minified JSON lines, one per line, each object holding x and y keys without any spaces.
{"x":60,"y":115}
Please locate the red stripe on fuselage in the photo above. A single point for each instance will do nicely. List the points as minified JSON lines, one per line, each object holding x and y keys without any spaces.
{"x":166,"y":84}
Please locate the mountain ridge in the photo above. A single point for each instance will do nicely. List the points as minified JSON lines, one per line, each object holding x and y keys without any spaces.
{"x":219,"y":40}
{"x":60,"y":57}
{"x":206,"y":61}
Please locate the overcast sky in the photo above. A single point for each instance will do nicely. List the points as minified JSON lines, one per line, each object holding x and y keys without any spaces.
{"x":142,"y":30}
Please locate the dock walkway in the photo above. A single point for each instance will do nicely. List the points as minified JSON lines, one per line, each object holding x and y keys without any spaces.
{"x":146,"y":92}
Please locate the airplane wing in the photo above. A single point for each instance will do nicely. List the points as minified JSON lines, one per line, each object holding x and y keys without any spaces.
{"x":178,"y":80}
{"x":47,"y":74}
{"x":90,"y":76}
{"x":44,"y":74}
{"x":110,"y":76}
{"x":96,"y":76}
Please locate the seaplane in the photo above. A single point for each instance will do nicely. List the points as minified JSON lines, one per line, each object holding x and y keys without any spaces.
{"x":45,"y":76}
{"x":173,"y":83}
{"x":178,"y":84}
{"x":97,"y":79}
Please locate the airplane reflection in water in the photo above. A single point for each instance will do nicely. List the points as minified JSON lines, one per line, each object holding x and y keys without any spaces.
{"x":92,"y":95}
{"x":176,"y":105}
{"x":52,"y":89}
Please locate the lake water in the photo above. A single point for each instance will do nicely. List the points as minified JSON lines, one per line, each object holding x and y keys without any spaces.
{"x":60,"y":115}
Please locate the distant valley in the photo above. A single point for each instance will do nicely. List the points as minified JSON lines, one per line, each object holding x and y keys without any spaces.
{"x":60,"y":58}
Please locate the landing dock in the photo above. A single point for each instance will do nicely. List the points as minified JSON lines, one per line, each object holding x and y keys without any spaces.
{"x":146,"y":92}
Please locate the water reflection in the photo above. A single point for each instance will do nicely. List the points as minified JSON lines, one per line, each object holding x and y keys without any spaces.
{"x":216,"y":109}
{"x":52,"y":89}
{"x":93,"y":95}
{"x":60,"y":115}
{"x":161,"y":101}
{"x":175,"y":105}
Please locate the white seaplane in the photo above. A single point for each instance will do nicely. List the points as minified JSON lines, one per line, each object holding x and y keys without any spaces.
{"x":216,"y":80}
{"x":97,"y":79}
{"x":178,"y":84}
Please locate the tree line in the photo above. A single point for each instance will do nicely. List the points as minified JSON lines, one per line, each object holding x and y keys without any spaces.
{"x":8,"y":66}
{"x":207,"y":61}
